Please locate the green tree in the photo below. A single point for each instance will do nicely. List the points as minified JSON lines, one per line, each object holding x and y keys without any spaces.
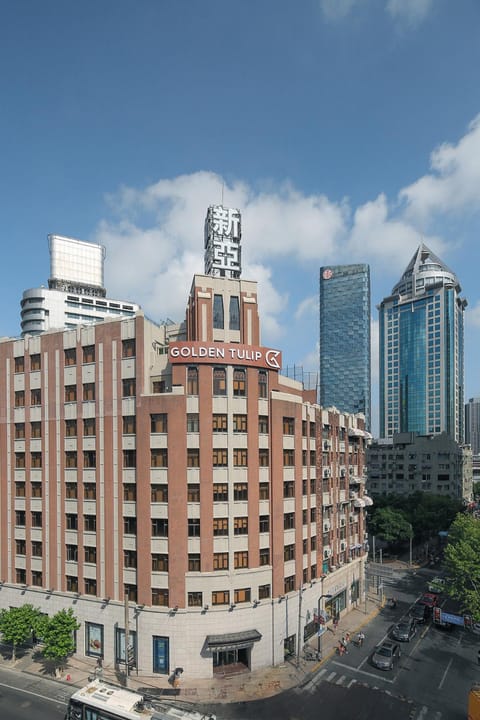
{"x":476,"y":489}
{"x":462,"y":562}
{"x":390,"y":525}
{"x":17,"y":625}
{"x":58,"y":637}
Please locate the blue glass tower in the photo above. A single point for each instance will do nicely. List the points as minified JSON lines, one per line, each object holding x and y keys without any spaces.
{"x":345,"y":339}
{"x":421,"y":351}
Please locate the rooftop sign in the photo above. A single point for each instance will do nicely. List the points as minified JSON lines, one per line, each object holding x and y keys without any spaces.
{"x":224,"y":354}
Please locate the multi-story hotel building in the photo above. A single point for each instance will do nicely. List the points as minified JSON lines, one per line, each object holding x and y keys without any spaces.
{"x":75,"y":293}
{"x":421,"y":351}
{"x":175,"y":490}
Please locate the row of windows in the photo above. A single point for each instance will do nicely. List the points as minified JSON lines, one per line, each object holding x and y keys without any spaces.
{"x":219,"y":382}
{"x":70,"y":356}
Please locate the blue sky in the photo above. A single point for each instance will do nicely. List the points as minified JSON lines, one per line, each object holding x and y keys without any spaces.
{"x":344,"y":130}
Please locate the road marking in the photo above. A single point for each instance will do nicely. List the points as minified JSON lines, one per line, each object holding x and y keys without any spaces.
{"x":340,"y":680}
{"x":35,"y":694}
{"x":331,"y":676}
{"x":368,"y":674}
{"x":445,"y":674}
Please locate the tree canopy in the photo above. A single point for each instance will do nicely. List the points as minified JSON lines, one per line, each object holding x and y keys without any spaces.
{"x":18,"y":623}
{"x":462,"y":563}
{"x":391,"y":525}
{"x":58,"y":636}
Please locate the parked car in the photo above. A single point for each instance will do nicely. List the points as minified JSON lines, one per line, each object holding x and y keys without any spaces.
{"x":405,"y":630}
{"x":386,"y":655}
{"x":419,"y":612}
{"x":437,"y":585}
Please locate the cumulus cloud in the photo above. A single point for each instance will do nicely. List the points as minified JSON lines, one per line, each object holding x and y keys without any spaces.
{"x":453,"y":185}
{"x":336,"y":9}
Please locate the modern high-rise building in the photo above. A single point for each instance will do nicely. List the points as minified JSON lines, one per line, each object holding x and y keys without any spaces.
{"x":472,"y":425}
{"x":75,"y":293}
{"x":421,"y":351}
{"x":168,"y":484}
{"x":345,"y":365}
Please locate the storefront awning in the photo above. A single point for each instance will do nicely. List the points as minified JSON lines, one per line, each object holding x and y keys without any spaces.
{"x":233,"y":641}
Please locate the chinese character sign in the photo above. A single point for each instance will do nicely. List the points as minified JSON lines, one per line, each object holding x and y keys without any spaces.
{"x":225,"y":222}
{"x":223,"y":231}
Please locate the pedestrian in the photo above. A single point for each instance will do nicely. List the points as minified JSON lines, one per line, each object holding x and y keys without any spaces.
{"x":347,"y":637}
{"x":335,"y":623}
{"x":344,"y":643}
{"x":360,"y":638}
{"x":341,"y":648}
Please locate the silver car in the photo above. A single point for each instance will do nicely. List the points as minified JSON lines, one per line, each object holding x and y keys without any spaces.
{"x":386,"y":655}
{"x":405,"y":630}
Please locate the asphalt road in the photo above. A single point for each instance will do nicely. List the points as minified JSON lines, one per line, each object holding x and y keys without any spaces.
{"x":23,"y":697}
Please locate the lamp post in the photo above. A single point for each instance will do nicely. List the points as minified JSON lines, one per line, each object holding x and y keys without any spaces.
{"x":320,"y":629}
{"x":411,"y":537}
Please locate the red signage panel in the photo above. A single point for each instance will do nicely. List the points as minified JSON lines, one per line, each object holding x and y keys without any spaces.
{"x":224,"y":354}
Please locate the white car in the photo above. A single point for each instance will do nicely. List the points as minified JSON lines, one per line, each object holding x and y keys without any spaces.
{"x":436,"y":585}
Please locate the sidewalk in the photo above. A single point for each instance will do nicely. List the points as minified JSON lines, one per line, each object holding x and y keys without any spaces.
{"x":229,"y":688}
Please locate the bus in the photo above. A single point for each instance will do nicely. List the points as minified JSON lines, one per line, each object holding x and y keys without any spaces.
{"x":101,"y":701}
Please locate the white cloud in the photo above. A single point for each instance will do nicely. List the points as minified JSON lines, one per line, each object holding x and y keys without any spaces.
{"x":308,"y":307}
{"x":472,"y":315}
{"x":454,"y":183}
{"x":411,"y":12}
{"x":336,"y":9}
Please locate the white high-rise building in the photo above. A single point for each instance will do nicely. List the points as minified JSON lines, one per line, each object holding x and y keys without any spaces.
{"x":75,"y":294}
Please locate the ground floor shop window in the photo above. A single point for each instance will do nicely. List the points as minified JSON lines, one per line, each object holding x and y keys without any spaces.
{"x":336,"y":604}
{"x":239,"y":657}
{"x":355,"y":591}
{"x":93,"y":639}
{"x":161,"y":655}
{"x":120,"y":647}
{"x":289,"y":646}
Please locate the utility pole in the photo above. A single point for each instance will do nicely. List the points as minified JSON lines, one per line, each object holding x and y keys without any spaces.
{"x":299,"y":625}
{"x":127,"y":639}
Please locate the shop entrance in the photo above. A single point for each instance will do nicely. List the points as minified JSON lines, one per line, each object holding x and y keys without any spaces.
{"x":231,"y":661}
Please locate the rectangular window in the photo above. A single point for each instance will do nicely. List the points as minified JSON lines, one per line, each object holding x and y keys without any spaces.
{"x":262,"y":384}
{"x":20,"y":460}
{"x":70,"y":428}
{"x":158,"y":457}
{"x":71,"y":522}
{"x":289,"y":552}
{"x":88,"y":354}
{"x":263,"y":424}
{"x":128,"y":348}
{"x":240,"y":491}
{"x":288,"y":426}
{"x":288,"y":458}
{"x":218,"y":312}
{"x":289,"y":584}
{"x":19,"y":363}
{"x":193,"y":457}
{"x":193,"y":493}
{"x":264,"y":556}
{"x":71,"y":459}
{"x":264,"y":491}
{"x":90,"y":554}
{"x":193,"y":527}
{"x":129,"y":424}
{"x":220,"y":457}
{"x":240,"y":559}
{"x":192,"y":381}
{"x":264,"y":523}
{"x":20,"y":576}
{"x":89,"y":491}
{"x":263,"y":457}
{"x":35,"y":396}
{"x":159,"y":386}
{"x":194,"y":564}
{"x":37,"y":578}
{"x":129,"y":492}
{"x":130,"y":558}
{"x":193,"y":424}
{"x":19,"y":431}
{"x":160,"y":597}
{"x":19,"y":399}
{"x":240,"y":457}
{"x":70,"y":393}
{"x":220,"y":526}
{"x":89,"y":459}
{"x":289,"y":521}
{"x":159,"y":527}
{"x":36,"y":489}
{"x":129,"y":458}
{"x":129,"y":526}
{"x":19,"y":489}
{"x":89,"y":523}
{"x":239,"y":382}
{"x":90,"y":586}
{"x":35,"y":363}
{"x":195,"y":599}
{"x":20,"y":547}
{"x":159,"y":493}
{"x":72,"y":553}
{"x":220,"y":492}
{"x":289,"y":489}
{"x":219,"y":423}
{"x":131,"y":592}
{"x":263,"y":592}
{"x":242,"y":595}
{"x":36,"y":460}
{"x":158,"y":423}
{"x":220,"y":561}
{"x":220,"y":597}
{"x":89,"y":427}
{"x":72,"y":583}
{"x":88,"y":392}
{"x":234,"y":313}
{"x":240,"y":526}
{"x":219,"y":381}
{"x":128,"y":387}
{"x":70,"y":356}
{"x":159,"y":562}
{"x":239,"y":423}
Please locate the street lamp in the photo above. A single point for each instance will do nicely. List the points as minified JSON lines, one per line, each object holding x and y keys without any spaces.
{"x":320,"y":629}
{"x":411,"y":537}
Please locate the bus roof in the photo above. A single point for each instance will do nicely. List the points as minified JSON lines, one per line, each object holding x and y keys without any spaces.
{"x":101,"y":695}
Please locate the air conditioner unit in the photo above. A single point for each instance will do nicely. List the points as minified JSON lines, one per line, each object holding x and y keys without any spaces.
{"x":326,"y":527}
{"x":327,"y":444}
{"x":326,"y":472}
{"x":342,"y":522}
{"x":327,"y":553}
{"x":343,"y":545}
{"x":343,"y":472}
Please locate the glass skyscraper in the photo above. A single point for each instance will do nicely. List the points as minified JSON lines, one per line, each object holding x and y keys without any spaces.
{"x":421,"y":351}
{"x":345,"y":339}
